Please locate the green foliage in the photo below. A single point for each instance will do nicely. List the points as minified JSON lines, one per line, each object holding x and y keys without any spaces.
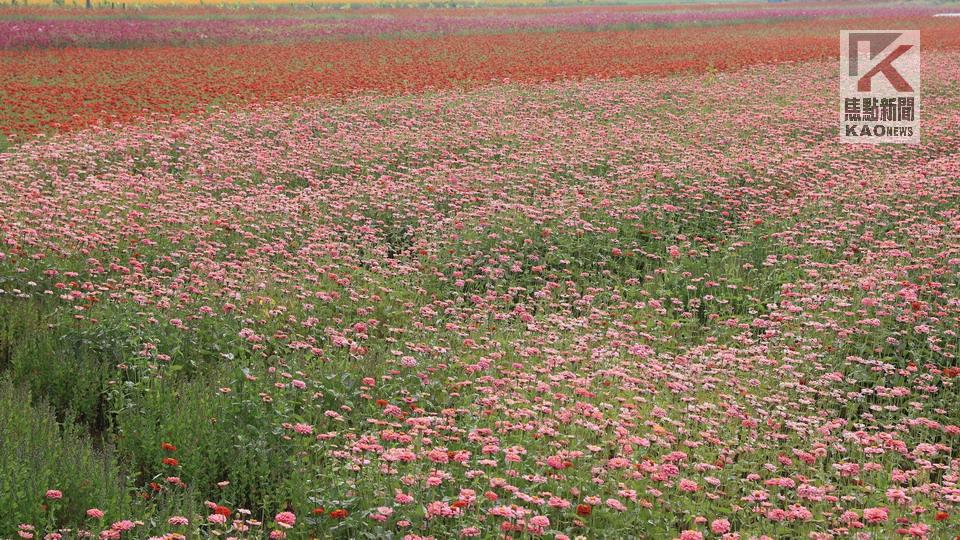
{"x":38,"y":453}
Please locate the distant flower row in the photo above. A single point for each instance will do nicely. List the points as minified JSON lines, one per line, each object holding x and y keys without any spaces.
{"x":282,"y":26}
{"x":65,"y":89}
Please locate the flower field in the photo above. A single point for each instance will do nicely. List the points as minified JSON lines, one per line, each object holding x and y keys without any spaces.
{"x":517,"y":283}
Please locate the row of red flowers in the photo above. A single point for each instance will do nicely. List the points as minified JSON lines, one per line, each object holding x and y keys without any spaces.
{"x":73,"y":88}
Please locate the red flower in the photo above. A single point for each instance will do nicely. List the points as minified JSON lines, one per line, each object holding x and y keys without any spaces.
{"x":170,"y":461}
{"x":222,"y":510}
{"x":168,"y":447}
{"x":942,"y":516}
{"x":339,"y":513}
{"x":584,"y":509}
{"x":318,"y":511}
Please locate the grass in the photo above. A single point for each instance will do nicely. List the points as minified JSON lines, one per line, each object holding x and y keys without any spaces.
{"x":38,"y":450}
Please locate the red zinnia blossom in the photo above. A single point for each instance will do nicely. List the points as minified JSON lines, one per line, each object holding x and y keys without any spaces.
{"x":583,"y":509}
{"x":339,"y":513}
{"x":318,"y":511}
{"x":222,"y":510}
{"x":942,"y":516}
{"x":170,"y":461}
{"x":168,"y":447}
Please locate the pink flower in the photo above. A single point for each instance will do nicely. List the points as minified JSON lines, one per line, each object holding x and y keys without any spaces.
{"x":286,"y":519}
{"x":875,"y":515}
{"x":849,"y":516}
{"x":720,"y":526}
{"x":688,"y":485}
{"x":777,"y":514}
{"x":898,"y":495}
{"x":54,"y":494}
{"x":540,"y":522}
{"x":123,"y":525}
{"x":691,"y":535}
{"x":95,"y":513}
{"x":441,"y":509}
{"x":616,"y":505}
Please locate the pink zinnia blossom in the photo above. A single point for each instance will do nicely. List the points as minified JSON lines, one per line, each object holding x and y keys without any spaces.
{"x":286,"y":519}
{"x":875,"y":515}
{"x":720,"y":526}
